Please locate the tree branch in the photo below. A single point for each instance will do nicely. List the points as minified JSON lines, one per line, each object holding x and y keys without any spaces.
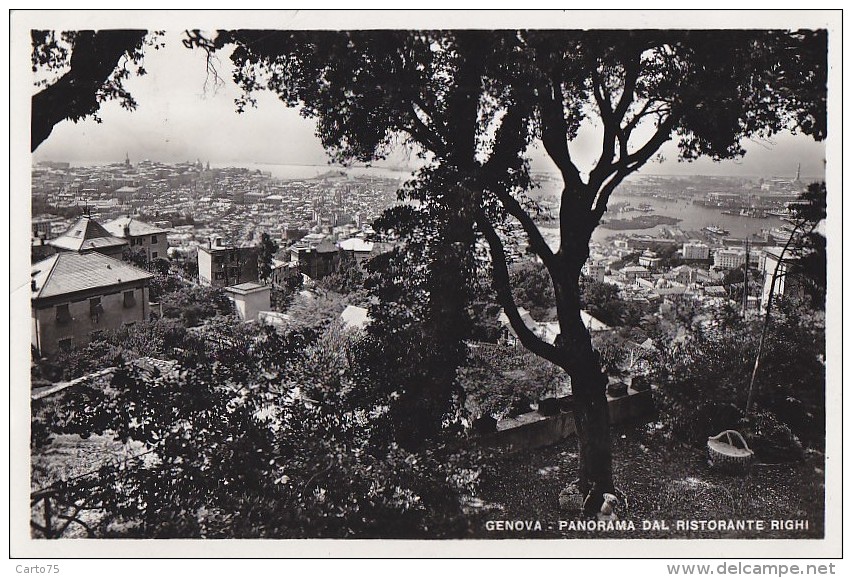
{"x":509,"y":141}
{"x":422,"y":133}
{"x":612,"y":119}
{"x":74,"y":95}
{"x":631,"y":164}
{"x":631,"y":75}
{"x":554,"y":134}
{"x":504,"y":294}
{"x":627,"y":129}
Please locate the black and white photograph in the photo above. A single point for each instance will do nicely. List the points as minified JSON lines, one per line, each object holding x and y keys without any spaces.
{"x":440,"y":284}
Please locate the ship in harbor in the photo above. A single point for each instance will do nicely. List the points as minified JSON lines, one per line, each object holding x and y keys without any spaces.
{"x":780,"y":234}
{"x":716,"y":230}
{"x":778,"y":213}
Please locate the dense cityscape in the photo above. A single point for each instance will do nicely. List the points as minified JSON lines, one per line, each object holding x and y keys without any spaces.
{"x":191,"y":206}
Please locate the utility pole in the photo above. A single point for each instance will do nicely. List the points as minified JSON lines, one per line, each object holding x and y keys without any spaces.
{"x":745,"y":278}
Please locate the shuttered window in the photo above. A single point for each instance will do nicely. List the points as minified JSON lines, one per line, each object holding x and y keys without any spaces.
{"x":62,"y":314}
{"x":95,"y":308}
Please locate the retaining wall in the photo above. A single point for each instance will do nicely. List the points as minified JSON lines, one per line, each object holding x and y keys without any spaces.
{"x":534,"y":430}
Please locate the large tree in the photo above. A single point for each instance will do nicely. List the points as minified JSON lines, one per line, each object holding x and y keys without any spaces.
{"x":472,"y":102}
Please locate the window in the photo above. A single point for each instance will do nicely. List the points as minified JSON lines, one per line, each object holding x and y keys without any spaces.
{"x":129,"y":299}
{"x":153,"y":239}
{"x":154,"y":254}
{"x":62,"y":314}
{"x":218,"y":275}
{"x":95,"y":308}
{"x":65,"y":344}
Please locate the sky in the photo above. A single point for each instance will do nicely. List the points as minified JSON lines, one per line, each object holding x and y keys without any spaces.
{"x":183,"y":115}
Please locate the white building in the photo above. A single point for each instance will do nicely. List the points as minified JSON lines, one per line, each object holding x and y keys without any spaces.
{"x":694,"y":250}
{"x":729,"y":258}
{"x":594,"y":270}
{"x":649,"y":259}
{"x":250,"y":299}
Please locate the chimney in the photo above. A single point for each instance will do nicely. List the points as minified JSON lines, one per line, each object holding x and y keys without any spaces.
{"x":33,"y":285}
{"x":127,"y":231}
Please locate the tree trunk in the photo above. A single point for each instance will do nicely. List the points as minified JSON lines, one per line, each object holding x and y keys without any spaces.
{"x":582,"y":362}
{"x":591,"y":414}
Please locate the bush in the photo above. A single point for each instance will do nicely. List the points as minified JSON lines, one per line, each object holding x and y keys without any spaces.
{"x":501,"y":380}
{"x":771,"y":439}
{"x":704,"y":377}
{"x":196,"y":303}
{"x":274,"y":439}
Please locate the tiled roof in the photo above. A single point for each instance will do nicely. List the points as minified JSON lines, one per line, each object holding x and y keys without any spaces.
{"x":86,"y":234}
{"x":137,"y":227}
{"x":70,"y":272}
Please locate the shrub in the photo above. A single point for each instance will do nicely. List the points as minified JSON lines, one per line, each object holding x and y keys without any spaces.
{"x":273,"y":439}
{"x":703,"y":382}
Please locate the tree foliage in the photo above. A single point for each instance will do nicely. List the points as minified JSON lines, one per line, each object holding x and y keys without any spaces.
{"x":810,"y":251}
{"x":193,"y":304}
{"x":268,"y":249}
{"x":273,"y":439}
{"x":78,"y":70}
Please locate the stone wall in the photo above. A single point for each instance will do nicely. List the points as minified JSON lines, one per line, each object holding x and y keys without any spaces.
{"x":535,"y":430}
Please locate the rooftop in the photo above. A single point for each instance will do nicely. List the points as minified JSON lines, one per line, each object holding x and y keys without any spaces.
{"x":65,"y":273}
{"x":136,"y":227}
{"x":86,"y":234}
{"x":248,"y":287}
{"x":355,"y":317}
{"x":356,"y":244}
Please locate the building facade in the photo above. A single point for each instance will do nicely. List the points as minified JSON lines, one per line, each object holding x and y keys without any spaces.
{"x":315,"y":261}
{"x":594,"y":270}
{"x":695,"y":251}
{"x":78,"y":296}
{"x":729,"y":258}
{"x":141,"y":237}
{"x":220,"y":265}
{"x":250,"y":299}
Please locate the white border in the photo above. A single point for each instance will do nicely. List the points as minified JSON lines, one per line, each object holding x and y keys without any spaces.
{"x":21,"y":90}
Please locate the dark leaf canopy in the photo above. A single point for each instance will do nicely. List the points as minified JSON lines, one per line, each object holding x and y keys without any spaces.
{"x":365,"y":88}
